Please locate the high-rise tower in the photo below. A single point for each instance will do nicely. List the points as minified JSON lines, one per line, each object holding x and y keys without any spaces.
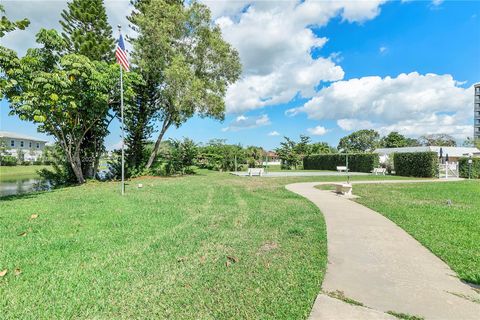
{"x":476,"y":108}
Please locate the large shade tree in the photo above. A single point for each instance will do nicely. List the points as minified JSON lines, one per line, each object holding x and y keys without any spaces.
{"x":65,"y":94}
{"x":360,"y":141}
{"x":184,"y":62}
{"x":437,"y":139}
{"x":397,"y":140}
{"x":86,"y":31}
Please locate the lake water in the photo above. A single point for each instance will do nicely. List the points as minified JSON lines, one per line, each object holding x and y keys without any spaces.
{"x":21,"y":186}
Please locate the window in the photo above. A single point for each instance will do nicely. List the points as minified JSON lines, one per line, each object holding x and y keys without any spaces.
{"x":30,"y":144}
{"x":21,"y":144}
{"x":38,"y":145}
{"x":12,"y":143}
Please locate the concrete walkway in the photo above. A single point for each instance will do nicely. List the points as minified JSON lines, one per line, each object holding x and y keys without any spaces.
{"x":375,"y":262}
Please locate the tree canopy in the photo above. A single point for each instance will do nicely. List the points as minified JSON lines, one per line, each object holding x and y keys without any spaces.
{"x":57,"y":91}
{"x":440,"y":139}
{"x":184,"y":61}
{"x":86,"y":30}
{"x":360,"y":141}
{"x":7,"y":25}
{"x":291,"y":152}
{"x":397,"y":140}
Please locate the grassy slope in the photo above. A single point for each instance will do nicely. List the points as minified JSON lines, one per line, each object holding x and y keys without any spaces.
{"x":19,"y":172}
{"x":161,"y":251}
{"x":450,"y":232}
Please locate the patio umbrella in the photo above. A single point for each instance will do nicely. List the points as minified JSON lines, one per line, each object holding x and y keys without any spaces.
{"x":441,"y":153}
{"x":446,"y":158}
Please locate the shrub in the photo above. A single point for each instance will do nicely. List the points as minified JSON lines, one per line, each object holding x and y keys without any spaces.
{"x":357,"y":162}
{"x":463,"y":168}
{"x":416,"y":164}
{"x":7,"y":160}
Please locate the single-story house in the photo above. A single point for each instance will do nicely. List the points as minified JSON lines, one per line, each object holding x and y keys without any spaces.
{"x":272,"y":157}
{"x":454,"y":153}
{"x":31,"y":147}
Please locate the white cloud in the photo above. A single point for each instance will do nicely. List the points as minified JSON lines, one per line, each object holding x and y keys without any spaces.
{"x":383,"y":49}
{"x":243,"y":122}
{"x":437,"y":2}
{"x":273,"y":133}
{"x":274,"y":40}
{"x":411,"y":103}
{"x":317,"y":131}
{"x":354,"y":124}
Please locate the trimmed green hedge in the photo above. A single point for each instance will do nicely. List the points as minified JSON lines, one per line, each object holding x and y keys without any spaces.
{"x":416,"y":164}
{"x":463,"y":167}
{"x":357,"y":162}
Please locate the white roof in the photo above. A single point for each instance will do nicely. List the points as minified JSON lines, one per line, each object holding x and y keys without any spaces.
{"x":13,"y":135}
{"x":451,"y":151}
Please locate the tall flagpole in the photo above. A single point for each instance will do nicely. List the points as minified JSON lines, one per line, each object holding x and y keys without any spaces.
{"x":121,"y":114}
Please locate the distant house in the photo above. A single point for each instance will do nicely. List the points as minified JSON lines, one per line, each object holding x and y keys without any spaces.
{"x":454,"y":153}
{"x":272,"y":158}
{"x":12,"y":143}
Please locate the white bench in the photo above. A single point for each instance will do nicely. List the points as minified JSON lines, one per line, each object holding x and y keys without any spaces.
{"x":343,"y":188}
{"x":256,"y":172}
{"x":377,"y":171}
{"x":341,"y":168}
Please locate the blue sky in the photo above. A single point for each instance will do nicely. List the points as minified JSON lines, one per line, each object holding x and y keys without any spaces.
{"x":326,"y":69}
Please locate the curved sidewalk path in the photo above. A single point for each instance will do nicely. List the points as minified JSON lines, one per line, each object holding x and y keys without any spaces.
{"x":375,"y":262}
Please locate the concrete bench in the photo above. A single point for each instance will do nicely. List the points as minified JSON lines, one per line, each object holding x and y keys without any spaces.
{"x":343,"y":188}
{"x":378,"y":171}
{"x":256,"y":172}
{"x":341,"y":168}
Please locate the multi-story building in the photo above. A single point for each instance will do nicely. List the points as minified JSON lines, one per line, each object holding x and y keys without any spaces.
{"x":12,"y":143}
{"x":476,"y":109}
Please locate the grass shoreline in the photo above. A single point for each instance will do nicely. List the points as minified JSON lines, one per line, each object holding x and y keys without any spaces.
{"x":12,"y":173}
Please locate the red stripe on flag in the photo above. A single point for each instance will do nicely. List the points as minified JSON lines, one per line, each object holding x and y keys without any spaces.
{"x":122,"y":59}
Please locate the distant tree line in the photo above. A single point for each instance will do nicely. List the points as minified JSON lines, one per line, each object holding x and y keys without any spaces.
{"x":292,"y":152}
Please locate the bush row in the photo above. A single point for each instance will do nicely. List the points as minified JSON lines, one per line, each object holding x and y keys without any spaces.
{"x":464,"y":168}
{"x":6,"y":160}
{"x":357,"y":162}
{"x":416,"y":164}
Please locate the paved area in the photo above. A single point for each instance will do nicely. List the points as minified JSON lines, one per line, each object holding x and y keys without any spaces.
{"x":277,"y":174}
{"x":338,"y":308}
{"x":375,"y":262}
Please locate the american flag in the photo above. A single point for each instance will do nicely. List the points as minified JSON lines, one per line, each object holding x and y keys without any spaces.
{"x":121,"y":54}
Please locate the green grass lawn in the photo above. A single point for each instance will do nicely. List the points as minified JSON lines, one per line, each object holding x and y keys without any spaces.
{"x":452,"y":232}
{"x":163,"y":251}
{"x":20,"y":172}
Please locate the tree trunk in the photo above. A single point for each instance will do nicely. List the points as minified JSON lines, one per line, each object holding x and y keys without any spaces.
{"x":154,"y":153}
{"x":77,"y":168}
{"x":96,"y":164}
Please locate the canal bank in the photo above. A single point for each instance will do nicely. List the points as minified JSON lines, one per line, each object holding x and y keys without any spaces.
{"x":21,"y":179}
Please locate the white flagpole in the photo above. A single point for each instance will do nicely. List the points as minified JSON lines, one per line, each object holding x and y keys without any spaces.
{"x":123,"y":134}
